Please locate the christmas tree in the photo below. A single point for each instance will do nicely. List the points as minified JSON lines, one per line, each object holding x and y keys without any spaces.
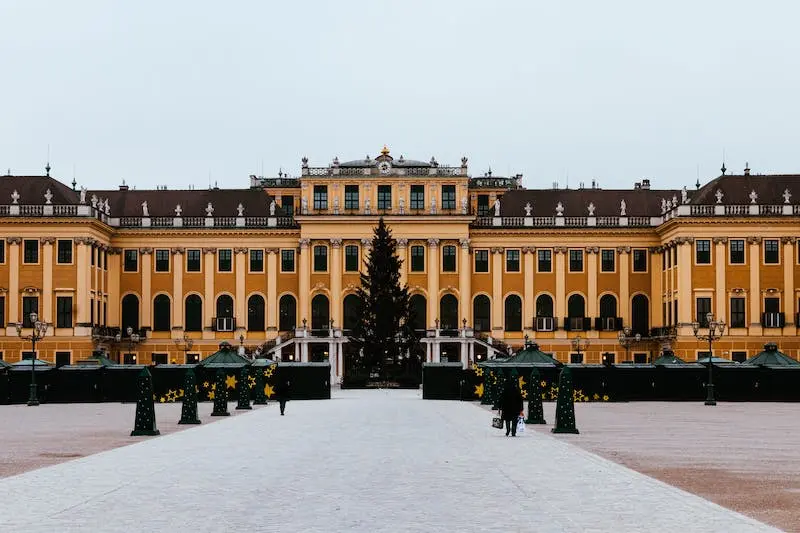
{"x":220,"y":396}
{"x":565,"y":404}
{"x":145,"y":423}
{"x":260,"y":396}
{"x":384,"y":330}
{"x":189,"y":408}
{"x":243,"y":389}
{"x":535,"y":410}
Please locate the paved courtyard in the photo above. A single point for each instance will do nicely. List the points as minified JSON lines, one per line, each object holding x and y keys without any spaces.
{"x":364,"y":461}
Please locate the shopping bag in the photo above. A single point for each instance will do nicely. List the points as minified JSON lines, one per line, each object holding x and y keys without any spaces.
{"x":497,"y":422}
{"x":521,"y":426}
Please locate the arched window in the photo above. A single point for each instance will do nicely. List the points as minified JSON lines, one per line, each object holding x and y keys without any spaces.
{"x":420,"y":308}
{"x":481,"y":313}
{"x":255,"y":313}
{"x":608,"y":306}
{"x":576,"y":306}
{"x":287,"y":312}
{"x":194,"y":313}
{"x":513,"y":313}
{"x":130,"y":313}
{"x":448,"y":312}
{"x":352,"y":308}
{"x":319,"y":312}
{"x":640,"y":315}
{"x":161,"y":313}
{"x":225,"y":313}
{"x":544,"y":305}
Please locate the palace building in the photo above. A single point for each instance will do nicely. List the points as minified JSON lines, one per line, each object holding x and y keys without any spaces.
{"x":163,"y":276}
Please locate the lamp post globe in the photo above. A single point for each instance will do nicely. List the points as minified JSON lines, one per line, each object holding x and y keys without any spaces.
{"x":38,"y":331}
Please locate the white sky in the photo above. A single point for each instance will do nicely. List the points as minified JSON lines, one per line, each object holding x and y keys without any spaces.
{"x":172,"y":92}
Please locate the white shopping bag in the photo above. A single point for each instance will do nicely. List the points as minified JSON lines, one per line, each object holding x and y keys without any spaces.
{"x":521,"y":426}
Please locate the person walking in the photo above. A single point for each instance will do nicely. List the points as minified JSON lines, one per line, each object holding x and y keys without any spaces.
{"x":283,"y":391}
{"x":511,"y":406}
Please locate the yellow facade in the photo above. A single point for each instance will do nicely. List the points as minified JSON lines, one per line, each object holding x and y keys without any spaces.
{"x":470,"y":238}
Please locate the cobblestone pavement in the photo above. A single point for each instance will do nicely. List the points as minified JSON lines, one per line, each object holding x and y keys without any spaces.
{"x":364,"y":461}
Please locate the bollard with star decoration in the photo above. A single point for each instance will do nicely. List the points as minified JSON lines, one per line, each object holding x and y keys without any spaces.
{"x":488,"y":379}
{"x":565,"y":404}
{"x":145,"y":423}
{"x":243,"y":390}
{"x":189,"y":407}
{"x":220,"y":395}
{"x":535,"y":409}
{"x":260,"y":398}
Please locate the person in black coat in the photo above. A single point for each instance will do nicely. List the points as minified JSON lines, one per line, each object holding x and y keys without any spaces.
{"x":511,"y":406}
{"x":283,"y":391}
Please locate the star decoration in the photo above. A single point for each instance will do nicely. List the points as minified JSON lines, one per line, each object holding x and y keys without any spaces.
{"x":268,"y":391}
{"x":479,"y":371}
{"x":230,"y":382}
{"x":211,"y":395}
{"x":205,"y":384}
{"x":479,"y":390}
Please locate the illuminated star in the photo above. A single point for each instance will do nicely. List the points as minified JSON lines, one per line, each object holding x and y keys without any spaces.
{"x":205,"y":384}
{"x":230,"y":382}
{"x":479,"y":390}
{"x":211,"y":395}
{"x":268,"y":391}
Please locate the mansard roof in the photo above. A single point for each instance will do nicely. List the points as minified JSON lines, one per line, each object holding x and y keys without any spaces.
{"x":736,"y":189}
{"x":32,"y":190}
{"x":544,"y":202}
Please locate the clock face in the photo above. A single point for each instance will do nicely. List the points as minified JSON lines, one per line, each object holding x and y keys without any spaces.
{"x":384,"y":167}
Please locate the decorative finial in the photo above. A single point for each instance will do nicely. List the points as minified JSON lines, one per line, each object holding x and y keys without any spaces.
{"x":723,"y":169}
{"x":746,"y":168}
{"x":697,"y":184}
{"x":385,"y":150}
{"x":47,"y":169}
{"x":74,"y":183}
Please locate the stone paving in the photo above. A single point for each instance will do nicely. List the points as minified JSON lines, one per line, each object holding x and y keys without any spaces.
{"x":363,"y":461}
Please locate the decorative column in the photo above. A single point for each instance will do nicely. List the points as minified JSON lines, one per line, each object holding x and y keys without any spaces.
{"x":624,"y":284}
{"x":304,"y":281}
{"x":82,"y":286}
{"x":561,"y":289}
{"x":114,"y":255}
{"x":720,"y":291}
{"x":591,"y":271}
{"x":209,"y":254}
{"x":177,"y":288}
{"x":656,"y":294}
{"x":402,"y":253}
{"x":240,"y":306}
{"x":755,"y":285}
{"x":433,"y":281}
{"x":47,"y":279}
{"x":272,"y":289}
{"x":336,"y":288}
{"x":465,"y":282}
{"x":13,"y":283}
{"x":146,"y":255}
{"x":685,"y":305}
{"x":528,"y":302}
{"x":789,"y":297}
{"x":497,"y":291}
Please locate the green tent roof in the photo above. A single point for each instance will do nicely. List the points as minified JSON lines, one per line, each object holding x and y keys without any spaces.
{"x":531,"y":355}
{"x":717,"y":361}
{"x":668,"y":358}
{"x":3,"y":364}
{"x":263,"y":362}
{"x":771,"y":357}
{"x":225,"y":357}
{"x":98,"y":359}
{"x":26,"y":363}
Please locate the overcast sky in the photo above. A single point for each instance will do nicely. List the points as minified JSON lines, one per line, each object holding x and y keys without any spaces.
{"x":172,"y":92}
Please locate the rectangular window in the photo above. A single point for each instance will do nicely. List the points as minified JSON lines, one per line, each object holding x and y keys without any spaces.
{"x":481,"y":260}
{"x":225,"y":260}
{"x":607,"y":260}
{"x":512,"y":260}
{"x":576,"y":260}
{"x":703,"y":308}
{"x":159,"y":359}
{"x":384,"y":197}
{"x":63,"y":359}
{"x":736,"y":247}
{"x":287,"y":204}
{"x":320,"y":197}
{"x":448,"y":258}
{"x":640,"y":260}
{"x":93,"y":253}
{"x":105,"y":260}
{"x":192,"y":260}
{"x":771,"y":256}
{"x":64,"y":254}
{"x":772,"y":305}
{"x":738,"y":357}
{"x":351,"y":196}
{"x":31,"y":251}
{"x":448,"y":196}
{"x":64,"y":311}
{"x":30,"y":304}
{"x":162,"y":260}
{"x":417,"y":259}
{"x":2,"y":312}
{"x":417,"y":197}
{"x":544,"y":260}
{"x":351,"y":258}
{"x":256,"y":260}
{"x":2,"y":251}
{"x":131,"y":262}
{"x":320,"y":258}
{"x":702,"y":251}
{"x":192,"y":358}
{"x":576,"y":358}
{"x":483,"y":205}
{"x":287,"y":260}
{"x":737,"y":313}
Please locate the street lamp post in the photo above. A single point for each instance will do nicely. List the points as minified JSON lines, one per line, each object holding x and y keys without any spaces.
{"x":133,"y":338}
{"x":38,"y":331}
{"x":579,"y":344}
{"x":626,"y":340}
{"x":716,"y":328}
{"x":187,"y":345}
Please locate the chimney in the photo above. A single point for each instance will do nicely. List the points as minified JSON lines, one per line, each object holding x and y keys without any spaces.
{"x":646,"y":184}
{"x":123,"y":187}
{"x":637,"y":186}
{"x":747,"y":169}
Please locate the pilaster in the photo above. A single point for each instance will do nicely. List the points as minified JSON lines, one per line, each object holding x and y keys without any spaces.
{"x":755,"y":285}
{"x":13,"y":280}
{"x":497,"y":292}
{"x":304,"y":281}
{"x":788,"y":284}
{"x":528,"y":272}
{"x":433,"y":281}
{"x":624,"y":254}
{"x":47,"y":279}
{"x":561,"y":291}
{"x":336,"y":287}
{"x":209,"y":254}
{"x":177,"y":287}
{"x":272,"y":289}
{"x":146,"y":257}
{"x":465,"y":281}
{"x":720,"y":290}
{"x":114,"y":269}
{"x":240,"y":304}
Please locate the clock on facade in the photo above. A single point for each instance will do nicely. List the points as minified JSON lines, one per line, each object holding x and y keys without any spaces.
{"x":384,"y":167}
